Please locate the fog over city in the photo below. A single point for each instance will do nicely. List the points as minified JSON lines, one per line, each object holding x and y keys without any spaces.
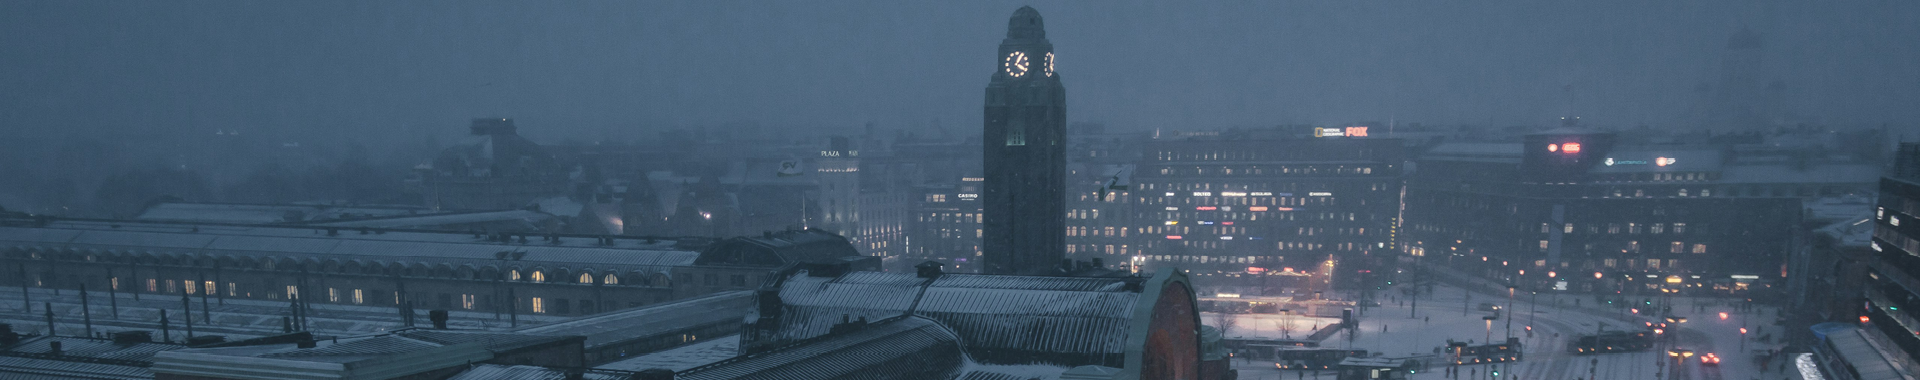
{"x":1265,"y":189}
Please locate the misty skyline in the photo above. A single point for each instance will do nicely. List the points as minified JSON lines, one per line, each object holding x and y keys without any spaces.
{"x":623,"y":70}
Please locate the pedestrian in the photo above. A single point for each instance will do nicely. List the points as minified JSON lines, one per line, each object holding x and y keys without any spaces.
{"x":1429,"y":319}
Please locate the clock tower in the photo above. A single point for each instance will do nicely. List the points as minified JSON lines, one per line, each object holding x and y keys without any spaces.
{"x":1024,"y":193}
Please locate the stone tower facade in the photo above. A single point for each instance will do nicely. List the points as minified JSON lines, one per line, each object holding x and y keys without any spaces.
{"x":1024,"y":142}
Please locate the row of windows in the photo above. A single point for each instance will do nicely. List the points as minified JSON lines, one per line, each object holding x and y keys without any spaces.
{"x":1682,"y":192}
{"x":1258,"y":170}
{"x":1096,"y":231}
{"x":1614,"y":228}
{"x":1180,"y":199}
{"x":1216,"y":259}
{"x":1264,"y":154}
{"x":1634,"y":246}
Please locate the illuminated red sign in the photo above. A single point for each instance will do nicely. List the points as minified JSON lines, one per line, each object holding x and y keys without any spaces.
{"x":1255,"y":269}
{"x":1226,"y":223}
{"x":1205,"y":208}
{"x":1356,"y":131}
{"x":1570,"y":147}
{"x":1257,"y":208}
{"x":1173,"y":237}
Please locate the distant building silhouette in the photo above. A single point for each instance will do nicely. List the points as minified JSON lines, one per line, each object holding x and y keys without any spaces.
{"x":495,"y":169}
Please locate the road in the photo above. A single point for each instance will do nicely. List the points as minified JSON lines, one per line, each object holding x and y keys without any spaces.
{"x":1450,"y":313}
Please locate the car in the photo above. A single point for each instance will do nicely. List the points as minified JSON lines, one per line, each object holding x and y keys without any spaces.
{"x":1710,"y":359}
{"x":1488,"y":306}
{"x":1368,"y":303}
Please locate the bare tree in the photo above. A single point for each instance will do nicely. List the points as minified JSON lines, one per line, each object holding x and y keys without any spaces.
{"x":1225,"y":322}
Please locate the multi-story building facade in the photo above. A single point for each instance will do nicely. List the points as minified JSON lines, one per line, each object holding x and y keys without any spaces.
{"x":1574,"y":210}
{"x":1268,"y":200}
{"x":1099,"y":197}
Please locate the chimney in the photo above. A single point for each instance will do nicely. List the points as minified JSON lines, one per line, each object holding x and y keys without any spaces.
{"x":53,"y":348}
{"x":131,"y":337}
{"x":439,"y":318}
{"x":652,"y":374}
{"x":929,"y":269}
{"x":483,"y":127}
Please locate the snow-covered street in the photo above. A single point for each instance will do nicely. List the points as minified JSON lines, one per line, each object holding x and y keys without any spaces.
{"x":1398,"y":329}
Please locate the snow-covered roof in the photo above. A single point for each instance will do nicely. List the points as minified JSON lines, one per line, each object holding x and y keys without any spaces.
{"x":628,"y":325}
{"x":1851,"y":232}
{"x":35,"y":368}
{"x":1865,"y":358}
{"x":1002,"y":319}
{"x":1832,"y":173}
{"x":682,"y":358}
{"x":528,"y":218}
{"x":1475,"y":152}
{"x":900,"y":348}
{"x":266,"y":213}
{"x":309,"y":243}
{"x":526,"y":372}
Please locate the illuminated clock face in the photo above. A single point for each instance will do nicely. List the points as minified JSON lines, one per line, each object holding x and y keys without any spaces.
{"x":1017,"y":64}
{"x":1047,"y":67}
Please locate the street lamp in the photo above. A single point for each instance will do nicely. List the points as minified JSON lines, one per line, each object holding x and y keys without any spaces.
{"x":1489,"y":320}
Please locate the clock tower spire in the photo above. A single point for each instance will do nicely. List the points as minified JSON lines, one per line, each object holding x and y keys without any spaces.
{"x":1024,"y":140}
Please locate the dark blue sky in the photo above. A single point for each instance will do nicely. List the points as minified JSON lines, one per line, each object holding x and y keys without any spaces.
{"x":624,"y":69}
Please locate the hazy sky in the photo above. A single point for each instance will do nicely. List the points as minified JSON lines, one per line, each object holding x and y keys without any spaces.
{"x":603,"y":68}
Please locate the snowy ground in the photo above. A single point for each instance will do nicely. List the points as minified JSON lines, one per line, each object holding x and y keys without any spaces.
{"x":1397,"y":329}
{"x":1268,"y":326}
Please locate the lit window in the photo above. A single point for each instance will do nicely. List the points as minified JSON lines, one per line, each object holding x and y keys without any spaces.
{"x":611,"y":279}
{"x":1676,"y":247}
{"x":513,"y":275}
{"x":191,"y":286}
{"x":1679,"y":228}
{"x":1543,"y":245}
{"x":333,"y":295}
{"x":292,"y":291}
{"x":539,"y":306}
{"x":466,"y":301}
{"x":359,"y":297}
{"x":586,"y":278}
{"x":539,"y":276}
{"x":1699,"y":248}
